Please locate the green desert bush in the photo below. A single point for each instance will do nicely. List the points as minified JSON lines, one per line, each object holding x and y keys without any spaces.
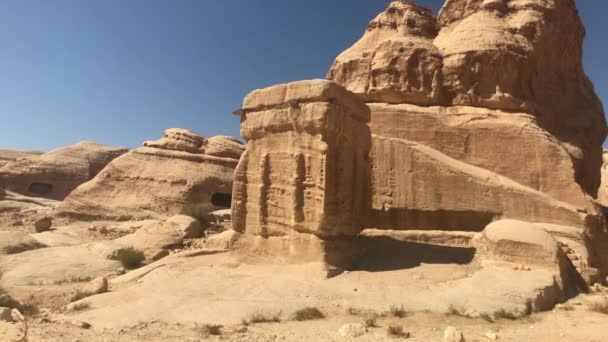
{"x":130,"y":258}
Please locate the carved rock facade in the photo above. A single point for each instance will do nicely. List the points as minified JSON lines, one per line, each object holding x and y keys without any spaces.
{"x":482,"y":114}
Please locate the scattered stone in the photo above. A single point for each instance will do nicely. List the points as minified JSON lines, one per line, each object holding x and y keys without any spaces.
{"x":352,"y":330}
{"x":95,"y":286}
{"x":453,"y":334}
{"x":491,"y":335}
{"x":43,"y":223}
{"x":17,"y":316}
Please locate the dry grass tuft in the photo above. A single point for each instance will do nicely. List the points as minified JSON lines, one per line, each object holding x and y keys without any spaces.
{"x":81,"y":306}
{"x":262,"y":317}
{"x":371,"y":321}
{"x":308,"y":313}
{"x":458,"y":310}
{"x":396,"y":331}
{"x":398,"y":311}
{"x":211,"y":330}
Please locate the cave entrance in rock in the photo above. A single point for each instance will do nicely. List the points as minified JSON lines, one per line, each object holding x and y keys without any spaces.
{"x":221,"y":199}
{"x":40,"y":188}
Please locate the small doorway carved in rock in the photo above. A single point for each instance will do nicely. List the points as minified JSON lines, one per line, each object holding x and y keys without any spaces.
{"x":221,"y":199}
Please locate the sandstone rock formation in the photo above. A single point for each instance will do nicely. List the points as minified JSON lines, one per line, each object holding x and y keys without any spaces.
{"x":9,"y":155}
{"x":306,"y":167}
{"x":482,"y":113}
{"x":395,"y":61}
{"x":515,"y":56}
{"x":602,"y":194}
{"x":162,"y":177}
{"x":55,"y":174}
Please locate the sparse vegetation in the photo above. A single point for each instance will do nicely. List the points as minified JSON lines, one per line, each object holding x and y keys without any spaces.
{"x":370,"y":321}
{"x":503,"y":314}
{"x":81,"y":306}
{"x":600,"y":306}
{"x":458,"y":310}
{"x":211,"y":329}
{"x":130,"y":258}
{"x":308,"y":313}
{"x":78,"y":295}
{"x":199,"y":211}
{"x":398,"y":311}
{"x":396,"y":331}
{"x":262,"y":317}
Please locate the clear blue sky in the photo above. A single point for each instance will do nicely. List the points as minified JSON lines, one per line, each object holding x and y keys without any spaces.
{"x":121,"y":71}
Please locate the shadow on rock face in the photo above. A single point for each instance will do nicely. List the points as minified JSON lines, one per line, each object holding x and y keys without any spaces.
{"x":387,"y":254}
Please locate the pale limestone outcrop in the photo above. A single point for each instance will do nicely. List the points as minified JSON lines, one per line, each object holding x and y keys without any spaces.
{"x":160,"y":178}
{"x":395,"y":61}
{"x":303,"y":177}
{"x":55,"y":174}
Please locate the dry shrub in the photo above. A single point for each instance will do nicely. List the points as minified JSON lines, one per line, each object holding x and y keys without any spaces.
{"x":81,"y":306}
{"x":398,"y":311}
{"x":308,"y":313}
{"x":396,"y":331}
{"x":211,"y":329}
{"x":130,"y":258}
{"x":262,"y":317}
{"x":370,"y":321}
{"x":458,"y":310}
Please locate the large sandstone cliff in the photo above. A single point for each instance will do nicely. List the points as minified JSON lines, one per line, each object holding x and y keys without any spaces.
{"x":520,"y":56}
{"x":482,"y":112}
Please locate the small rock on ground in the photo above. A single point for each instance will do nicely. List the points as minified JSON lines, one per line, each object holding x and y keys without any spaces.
{"x":352,"y":330}
{"x":452,"y":334}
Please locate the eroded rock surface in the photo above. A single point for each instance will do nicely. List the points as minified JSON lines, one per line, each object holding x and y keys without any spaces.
{"x":55,"y":174}
{"x":160,"y":178}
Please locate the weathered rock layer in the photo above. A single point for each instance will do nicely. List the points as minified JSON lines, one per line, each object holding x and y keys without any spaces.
{"x":160,"y":178}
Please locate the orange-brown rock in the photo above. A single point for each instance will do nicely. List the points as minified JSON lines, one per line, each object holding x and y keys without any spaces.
{"x":9,"y":155}
{"x":55,"y":174}
{"x":395,"y":61}
{"x":518,"y":56}
{"x":508,"y":144}
{"x":602,"y":195}
{"x":417,"y":187}
{"x":306,"y":164}
{"x":525,"y":56}
{"x":160,"y":178}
